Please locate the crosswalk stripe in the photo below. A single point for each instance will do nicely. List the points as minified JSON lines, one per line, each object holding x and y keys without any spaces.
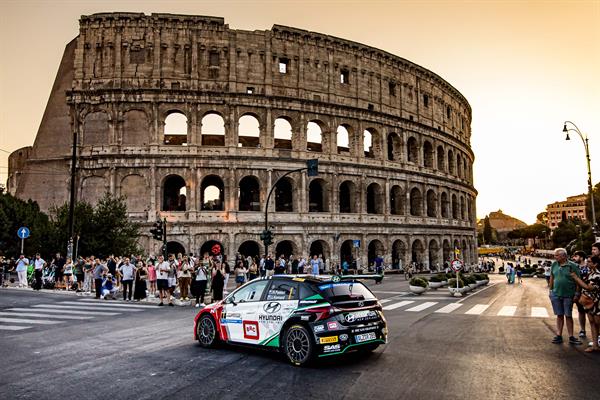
{"x":13,"y":328}
{"x":84,"y":307}
{"x":507,"y":311}
{"x":398,"y":305}
{"x":104,"y":303}
{"x":539,"y":312}
{"x":383,"y":301}
{"x":449,"y":308}
{"x":33,"y":314}
{"x":28,"y":321}
{"x":422,"y":306}
{"x":75,"y":312}
{"x":478,"y":309}
{"x":98,"y":304}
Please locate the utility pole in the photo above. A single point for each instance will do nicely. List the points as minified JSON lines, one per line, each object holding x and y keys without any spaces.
{"x":71,"y":222}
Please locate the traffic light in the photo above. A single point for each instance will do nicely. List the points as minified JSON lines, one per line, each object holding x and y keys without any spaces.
{"x":312,"y":167}
{"x":267,"y":237}
{"x":158,"y":230}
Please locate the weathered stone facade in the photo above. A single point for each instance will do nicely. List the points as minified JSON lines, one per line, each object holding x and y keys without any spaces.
{"x":392,"y":139}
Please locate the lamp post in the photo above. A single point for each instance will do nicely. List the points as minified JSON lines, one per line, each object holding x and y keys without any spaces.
{"x":584,"y":139}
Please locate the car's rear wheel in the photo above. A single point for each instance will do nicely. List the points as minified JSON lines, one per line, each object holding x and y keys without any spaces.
{"x":298,"y":345}
{"x":206,"y":331}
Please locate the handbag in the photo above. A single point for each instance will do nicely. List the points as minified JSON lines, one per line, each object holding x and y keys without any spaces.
{"x":586,"y":302}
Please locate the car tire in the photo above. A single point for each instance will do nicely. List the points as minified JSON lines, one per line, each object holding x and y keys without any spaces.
{"x":298,"y":345}
{"x":206,"y":331}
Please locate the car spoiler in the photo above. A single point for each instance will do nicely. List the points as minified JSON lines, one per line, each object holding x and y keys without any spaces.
{"x":338,"y":278}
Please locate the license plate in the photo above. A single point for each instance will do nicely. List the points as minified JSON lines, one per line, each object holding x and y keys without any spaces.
{"x":364,"y":337}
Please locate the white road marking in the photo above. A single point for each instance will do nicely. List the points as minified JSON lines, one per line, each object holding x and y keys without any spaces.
{"x":539,"y":312}
{"x":387,"y":292}
{"x":98,"y":304}
{"x":398,"y":305}
{"x":13,"y":328}
{"x":449,"y":308}
{"x":28,"y":321}
{"x":478,"y":309}
{"x":33,"y":314}
{"x":104,"y":303}
{"x":422,"y":306}
{"x":382,"y":301}
{"x":76,"y":312}
{"x":84,"y":307}
{"x":507,"y":311}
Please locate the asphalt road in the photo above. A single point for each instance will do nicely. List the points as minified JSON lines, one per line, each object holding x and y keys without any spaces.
{"x":493,"y":344}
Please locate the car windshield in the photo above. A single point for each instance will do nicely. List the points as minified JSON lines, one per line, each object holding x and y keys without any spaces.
{"x":343,"y":291}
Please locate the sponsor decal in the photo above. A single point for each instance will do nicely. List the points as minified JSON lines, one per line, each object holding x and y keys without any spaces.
{"x":231,"y":321}
{"x":332,"y":326}
{"x":272,"y":307}
{"x":308,"y":301}
{"x":251,"y":330}
{"x":298,"y":279}
{"x":328,"y":339}
{"x":331,"y":348}
{"x":365,"y":337}
{"x":305,"y":317}
{"x":365,"y":329}
{"x":343,"y":337}
{"x":319,"y":328}
{"x":360,"y":315}
{"x":270,"y":318}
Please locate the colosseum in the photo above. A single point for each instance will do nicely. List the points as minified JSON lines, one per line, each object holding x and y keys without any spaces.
{"x":194,"y":122}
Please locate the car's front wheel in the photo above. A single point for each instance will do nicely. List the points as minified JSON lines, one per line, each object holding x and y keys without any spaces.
{"x":206,"y":331}
{"x":298,"y":345}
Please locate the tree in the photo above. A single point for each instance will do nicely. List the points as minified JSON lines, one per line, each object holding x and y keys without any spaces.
{"x":573,"y":234}
{"x":542,"y":218}
{"x":487,"y":231}
{"x":83,"y":227}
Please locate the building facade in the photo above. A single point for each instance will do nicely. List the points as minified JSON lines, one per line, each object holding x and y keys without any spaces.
{"x":194,"y":122}
{"x":572,"y":208}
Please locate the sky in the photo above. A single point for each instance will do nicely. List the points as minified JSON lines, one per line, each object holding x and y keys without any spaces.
{"x":524,"y":66}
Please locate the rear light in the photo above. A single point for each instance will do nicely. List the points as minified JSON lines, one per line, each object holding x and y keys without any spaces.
{"x":323,"y":312}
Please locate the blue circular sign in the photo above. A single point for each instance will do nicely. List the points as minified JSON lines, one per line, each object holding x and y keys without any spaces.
{"x":23,"y":232}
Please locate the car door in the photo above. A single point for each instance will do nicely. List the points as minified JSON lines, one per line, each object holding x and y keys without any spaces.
{"x":240,"y":313}
{"x":279,"y":303}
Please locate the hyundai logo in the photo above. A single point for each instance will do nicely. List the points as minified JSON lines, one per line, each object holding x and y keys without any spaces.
{"x":361,"y":303}
{"x":272,"y":307}
{"x":349,"y":318}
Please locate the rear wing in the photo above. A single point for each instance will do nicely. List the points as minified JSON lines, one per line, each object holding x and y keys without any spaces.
{"x":339,"y":278}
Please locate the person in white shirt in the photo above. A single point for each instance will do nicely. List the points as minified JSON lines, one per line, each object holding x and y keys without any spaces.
{"x":22,"y":264}
{"x":39,"y":265}
{"x":127,"y":271}
{"x":162,"y":279}
{"x":199,"y":284}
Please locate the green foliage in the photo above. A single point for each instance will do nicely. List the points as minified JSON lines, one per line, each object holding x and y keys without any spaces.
{"x":442,"y":277}
{"x":435,"y":278}
{"x":418,"y":282}
{"x":469,"y":279}
{"x":529,"y":232}
{"x":452,"y":283}
{"x":573,"y":234}
{"x":487,"y":231}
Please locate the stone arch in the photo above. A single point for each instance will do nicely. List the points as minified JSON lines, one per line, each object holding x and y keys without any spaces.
{"x":454,"y":207}
{"x":371,"y":143}
{"x":212,"y":129}
{"x":417,"y":251}
{"x":397,"y":198}
{"x":96,"y":128}
{"x":434,"y":254}
{"x":320,"y":247}
{"x":459,"y":172}
{"x":249,"y":248}
{"x":175,"y":247}
{"x":375,"y":248}
{"x":398,"y":254}
{"x":314,"y":136}
{"x":462,"y":208}
{"x":249,"y":194}
{"x":136,"y":128}
{"x":441,"y":156}
{"x":282,"y":133}
{"x":465,"y":251}
{"x":446,"y":250}
{"x":347,"y":252}
{"x":432,"y":203}
{"x":285,"y":247}
{"x":450,"y":162}
{"x":427,"y":154}
{"x":318,"y":196}
{"x":174,"y":192}
{"x":412,"y":150}
{"x":347,"y":197}
{"x":343,"y":139}
{"x":375,"y":202}
{"x":212,"y":247}
{"x":92,"y":189}
{"x":416,"y":202}
{"x":284,"y":195}
{"x":212,"y":193}
{"x":176,"y":129}
{"x":445,"y":205}
{"x":133,"y":187}
{"x":248,"y":131}
{"x":394,"y":147}
{"x":465,"y":169}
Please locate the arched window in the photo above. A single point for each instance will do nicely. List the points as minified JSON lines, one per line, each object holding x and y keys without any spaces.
{"x":212,"y":193}
{"x":393,"y":147}
{"x":454,"y":207}
{"x":318,"y":201}
{"x":418,"y":251}
{"x":176,"y":129}
{"x":213,"y":130}
{"x":368,"y":144}
{"x":458,"y":165}
{"x":284,"y":199}
{"x":314,"y":137}
{"x":248,"y":131}
{"x":440,"y":158}
{"x":343,"y":140}
{"x":445,"y":205}
{"x":416,"y":202}
{"x":174,"y":194}
{"x":347,"y":197}
{"x":249,"y":194}
{"x":374,"y":199}
{"x":450,"y":162}
{"x":396,"y":201}
{"x":462,"y":208}
{"x":283,"y":134}
{"x":431,"y":204}
{"x":465,"y":169}
{"x":428,"y":154}
{"x":412,"y":150}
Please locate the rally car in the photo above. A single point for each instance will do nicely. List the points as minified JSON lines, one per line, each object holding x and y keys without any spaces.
{"x":304,"y":317}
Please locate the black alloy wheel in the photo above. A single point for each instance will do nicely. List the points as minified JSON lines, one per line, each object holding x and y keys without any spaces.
{"x":298,"y":345}
{"x":206,"y":331}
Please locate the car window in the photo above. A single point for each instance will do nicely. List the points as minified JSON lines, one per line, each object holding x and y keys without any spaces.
{"x":250,"y":292}
{"x":344,"y":291}
{"x":283,"y":291}
{"x":306,"y":291}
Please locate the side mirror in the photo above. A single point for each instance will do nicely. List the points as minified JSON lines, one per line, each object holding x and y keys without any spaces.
{"x":230,"y":300}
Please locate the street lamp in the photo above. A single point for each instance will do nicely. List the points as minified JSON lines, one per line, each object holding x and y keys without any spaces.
{"x":584,"y":139}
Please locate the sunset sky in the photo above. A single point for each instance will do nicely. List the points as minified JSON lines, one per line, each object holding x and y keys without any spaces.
{"x":524,"y":66}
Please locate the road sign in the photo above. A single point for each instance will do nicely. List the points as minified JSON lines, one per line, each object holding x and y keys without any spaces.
{"x":456,"y":265}
{"x":356,"y":243}
{"x":23,"y":232}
